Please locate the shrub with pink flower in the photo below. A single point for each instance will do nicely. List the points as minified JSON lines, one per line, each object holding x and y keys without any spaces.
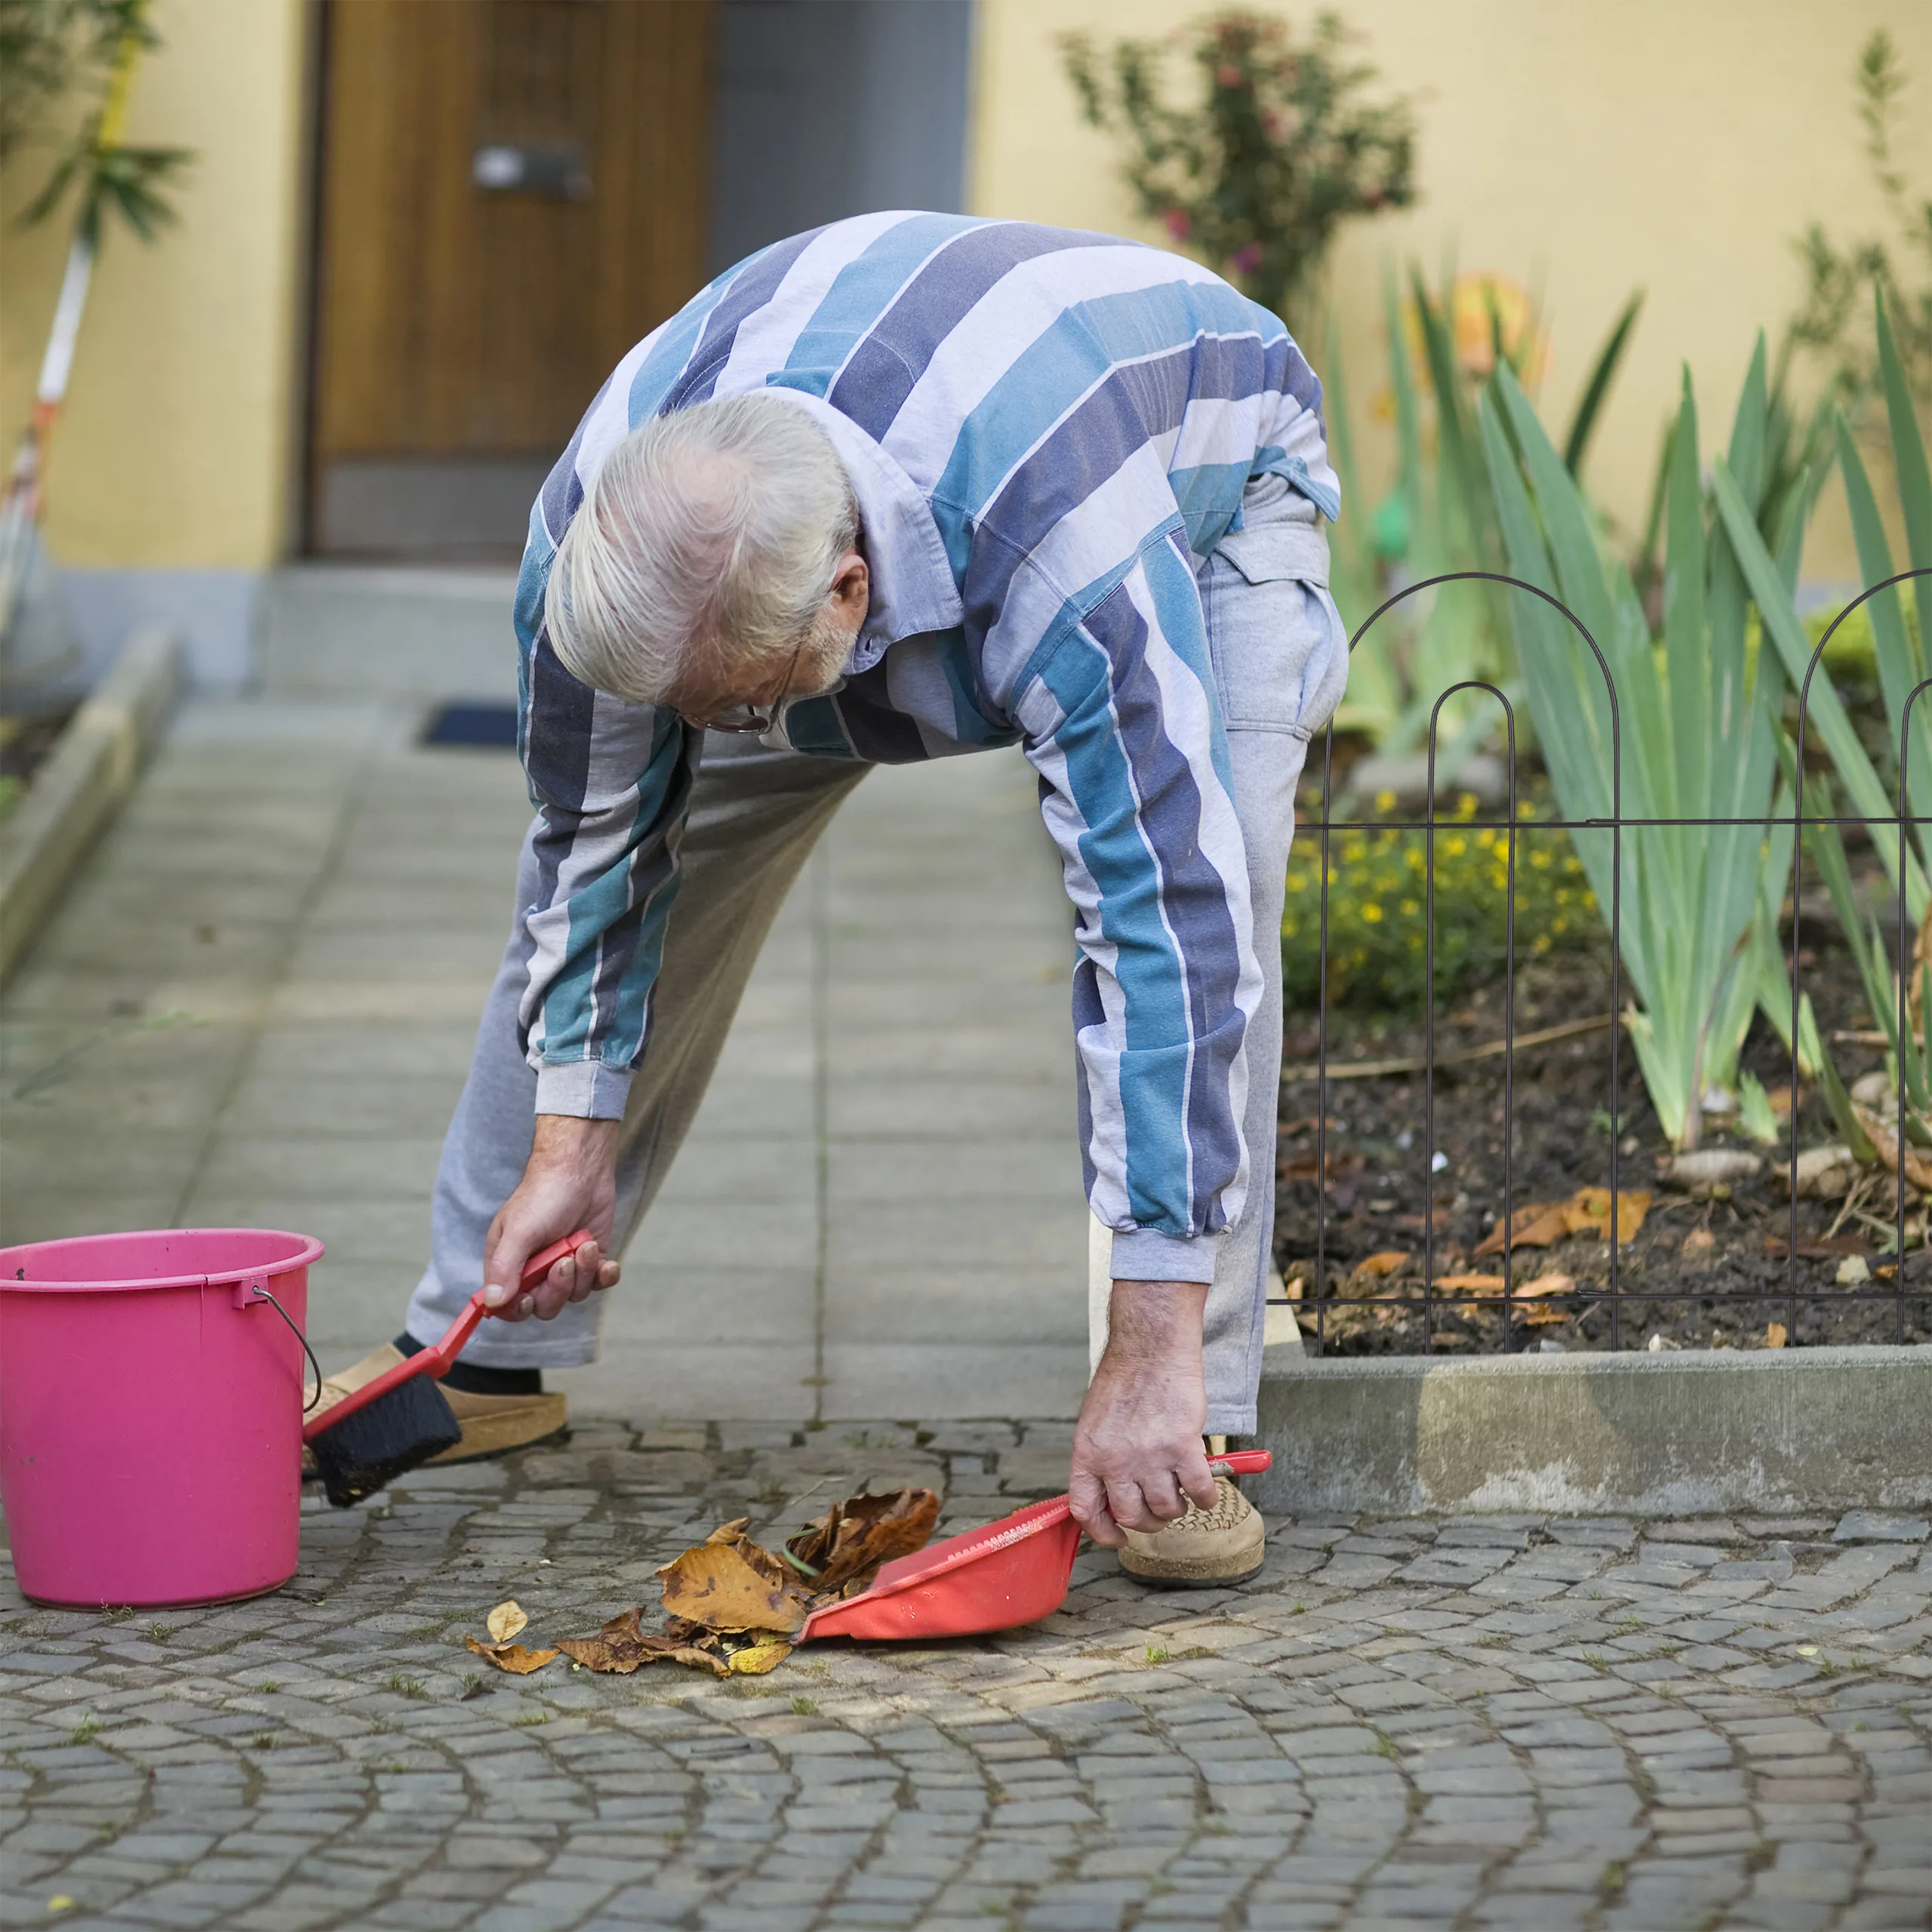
{"x":1281,"y":145}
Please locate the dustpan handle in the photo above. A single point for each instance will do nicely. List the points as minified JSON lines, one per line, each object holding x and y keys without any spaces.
{"x":1241,"y":1463}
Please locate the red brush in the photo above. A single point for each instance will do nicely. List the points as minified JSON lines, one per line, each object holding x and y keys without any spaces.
{"x":390,"y":1426}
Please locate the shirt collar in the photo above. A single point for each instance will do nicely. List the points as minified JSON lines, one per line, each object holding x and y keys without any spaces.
{"x":912,"y":589}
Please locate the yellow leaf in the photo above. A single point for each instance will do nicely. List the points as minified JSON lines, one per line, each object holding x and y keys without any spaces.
{"x":1775,"y":1335}
{"x":727,"y":1582}
{"x":60,"y":1902}
{"x":1588,"y":1212}
{"x":1470,"y":1284}
{"x":512,"y":1657}
{"x":505,"y":1621}
{"x":1547,"y":1285}
{"x":755,"y":1660}
{"x":1384,"y":1263}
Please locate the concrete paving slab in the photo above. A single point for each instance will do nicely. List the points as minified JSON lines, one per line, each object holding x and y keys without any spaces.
{"x":878,"y":1210}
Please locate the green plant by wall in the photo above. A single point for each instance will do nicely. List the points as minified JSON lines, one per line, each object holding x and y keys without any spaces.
{"x":1842,"y":281}
{"x":1377,"y":895}
{"x":63,"y":70}
{"x":1279,"y":146}
{"x":1445,"y":344}
{"x":1698,"y":716}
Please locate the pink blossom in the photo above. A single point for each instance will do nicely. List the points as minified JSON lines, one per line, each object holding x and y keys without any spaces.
{"x":1179,"y":223}
{"x":1228,"y":75}
{"x":1246,"y":259}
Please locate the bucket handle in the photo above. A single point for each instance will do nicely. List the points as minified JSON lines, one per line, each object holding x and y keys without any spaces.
{"x":255,"y":1288}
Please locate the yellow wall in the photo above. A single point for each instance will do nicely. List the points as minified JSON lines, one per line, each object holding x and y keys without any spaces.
{"x":175,"y":448}
{"x":1589,"y":145}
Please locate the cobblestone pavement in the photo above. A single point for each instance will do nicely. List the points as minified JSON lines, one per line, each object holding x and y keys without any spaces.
{"x":1504,"y":1721}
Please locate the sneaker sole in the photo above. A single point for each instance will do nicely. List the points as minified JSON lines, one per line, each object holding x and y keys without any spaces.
{"x":1170,"y":1581}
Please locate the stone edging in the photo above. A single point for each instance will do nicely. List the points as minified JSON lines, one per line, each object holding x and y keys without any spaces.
{"x":1706,"y":1430}
{"x":75,"y":796}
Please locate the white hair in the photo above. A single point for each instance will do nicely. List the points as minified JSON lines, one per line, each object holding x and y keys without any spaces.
{"x":708,"y":540}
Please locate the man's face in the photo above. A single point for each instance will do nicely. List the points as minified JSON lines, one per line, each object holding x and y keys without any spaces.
{"x":815,"y":666}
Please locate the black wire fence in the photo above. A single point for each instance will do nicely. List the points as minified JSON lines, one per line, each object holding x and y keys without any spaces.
{"x":1322,"y":1298}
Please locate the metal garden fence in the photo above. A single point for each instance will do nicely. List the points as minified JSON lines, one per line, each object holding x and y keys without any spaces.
{"x":1616,"y":1297}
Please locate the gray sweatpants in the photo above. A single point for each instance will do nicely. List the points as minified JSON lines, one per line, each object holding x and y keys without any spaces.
{"x":1279,"y":660}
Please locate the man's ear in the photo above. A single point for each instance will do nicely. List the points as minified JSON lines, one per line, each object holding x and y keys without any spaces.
{"x":851,"y":595}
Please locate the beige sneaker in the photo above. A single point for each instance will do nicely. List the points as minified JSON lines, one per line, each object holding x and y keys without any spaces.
{"x":492,"y":1425}
{"x":1205,"y":1549}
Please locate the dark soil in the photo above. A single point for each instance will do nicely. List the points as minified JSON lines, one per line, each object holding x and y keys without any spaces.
{"x":1381,"y":1195}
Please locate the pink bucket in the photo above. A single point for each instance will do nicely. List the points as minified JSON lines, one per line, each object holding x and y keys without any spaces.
{"x":150,"y":1414}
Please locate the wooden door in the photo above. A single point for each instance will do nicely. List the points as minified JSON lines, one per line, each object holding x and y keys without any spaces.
{"x":512,"y":192}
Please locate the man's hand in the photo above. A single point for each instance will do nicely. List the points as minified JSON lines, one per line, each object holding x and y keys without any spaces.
{"x":1137,"y":1450}
{"x":570,"y":1182}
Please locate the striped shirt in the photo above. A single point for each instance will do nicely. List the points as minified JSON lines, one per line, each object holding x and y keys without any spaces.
{"x":1046,"y":432}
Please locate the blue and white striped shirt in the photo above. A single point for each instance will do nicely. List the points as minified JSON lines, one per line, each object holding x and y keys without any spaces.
{"x":1046,"y":431}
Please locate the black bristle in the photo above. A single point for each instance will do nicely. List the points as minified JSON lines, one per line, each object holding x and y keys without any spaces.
{"x":368,"y":1450}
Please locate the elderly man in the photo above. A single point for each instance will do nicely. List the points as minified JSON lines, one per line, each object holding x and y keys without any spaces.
{"x":909,"y":485}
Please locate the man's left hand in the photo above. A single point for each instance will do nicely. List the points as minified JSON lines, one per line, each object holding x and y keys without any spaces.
{"x":1138,"y":1456}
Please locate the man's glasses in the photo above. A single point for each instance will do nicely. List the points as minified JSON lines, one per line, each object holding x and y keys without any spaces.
{"x":747,"y":720}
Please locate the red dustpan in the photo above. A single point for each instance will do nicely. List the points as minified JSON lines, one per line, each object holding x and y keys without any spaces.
{"x":1012,"y":1572}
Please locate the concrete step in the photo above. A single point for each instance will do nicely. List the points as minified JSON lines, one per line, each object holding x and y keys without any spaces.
{"x":343,"y":629}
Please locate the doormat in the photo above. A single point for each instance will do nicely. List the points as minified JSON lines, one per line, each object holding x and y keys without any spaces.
{"x":487,"y":727}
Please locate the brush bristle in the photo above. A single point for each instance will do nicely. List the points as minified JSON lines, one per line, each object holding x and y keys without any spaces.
{"x":368,"y":1450}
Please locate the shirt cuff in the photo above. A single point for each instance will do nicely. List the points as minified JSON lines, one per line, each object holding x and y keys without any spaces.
{"x":1142,"y":1255}
{"x":585,"y":1088}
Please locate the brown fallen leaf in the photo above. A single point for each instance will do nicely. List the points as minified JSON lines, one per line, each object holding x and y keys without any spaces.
{"x":755,"y":1660}
{"x":1588,"y":1212}
{"x":727,"y":1582}
{"x":1775,"y":1335}
{"x":855,"y":1535}
{"x":1542,"y":1224}
{"x":1543,"y":1316}
{"x":1884,"y":1140}
{"x":1699,"y":1241}
{"x":621,"y":1646}
{"x":1547,"y":1285}
{"x":512,"y":1657}
{"x":1386,"y":1262}
{"x":1471,"y":1284}
{"x":505,"y":1621}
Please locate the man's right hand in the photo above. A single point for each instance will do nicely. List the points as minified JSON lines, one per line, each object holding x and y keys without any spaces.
{"x":570,"y":1183}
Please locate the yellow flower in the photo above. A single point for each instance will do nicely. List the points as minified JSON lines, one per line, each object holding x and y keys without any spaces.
{"x":1385,"y":801}
{"x":1373,"y":913}
{"x":1540,"y":944}
{"x":1456,"y":847}
{"x":1540,"y":859}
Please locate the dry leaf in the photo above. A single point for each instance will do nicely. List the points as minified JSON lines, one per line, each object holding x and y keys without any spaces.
{"x":505,"y":1621}
{"x":727,"y":1582}
{"x":1547,"y":1285}
{"x":1884,"y":1140}
{"x":1542,"y":1318}
{"x":1471,"y":1284}
{"x":855,"y":1536}
{"x":512,"y":1657}
{"x":1699,"y":1241}
{"x":621,"y":1646}
{"x":755,"y":1660}
{"x":1542,"y":1224}
{"x":1775,"y":1335}
{"x":1588,"y":1212}
{"x":1384,"y":1263}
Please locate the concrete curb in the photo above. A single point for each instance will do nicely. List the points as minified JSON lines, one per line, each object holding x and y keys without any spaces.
{"x":1679,"y":1434}
{"x":76,"y":793}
